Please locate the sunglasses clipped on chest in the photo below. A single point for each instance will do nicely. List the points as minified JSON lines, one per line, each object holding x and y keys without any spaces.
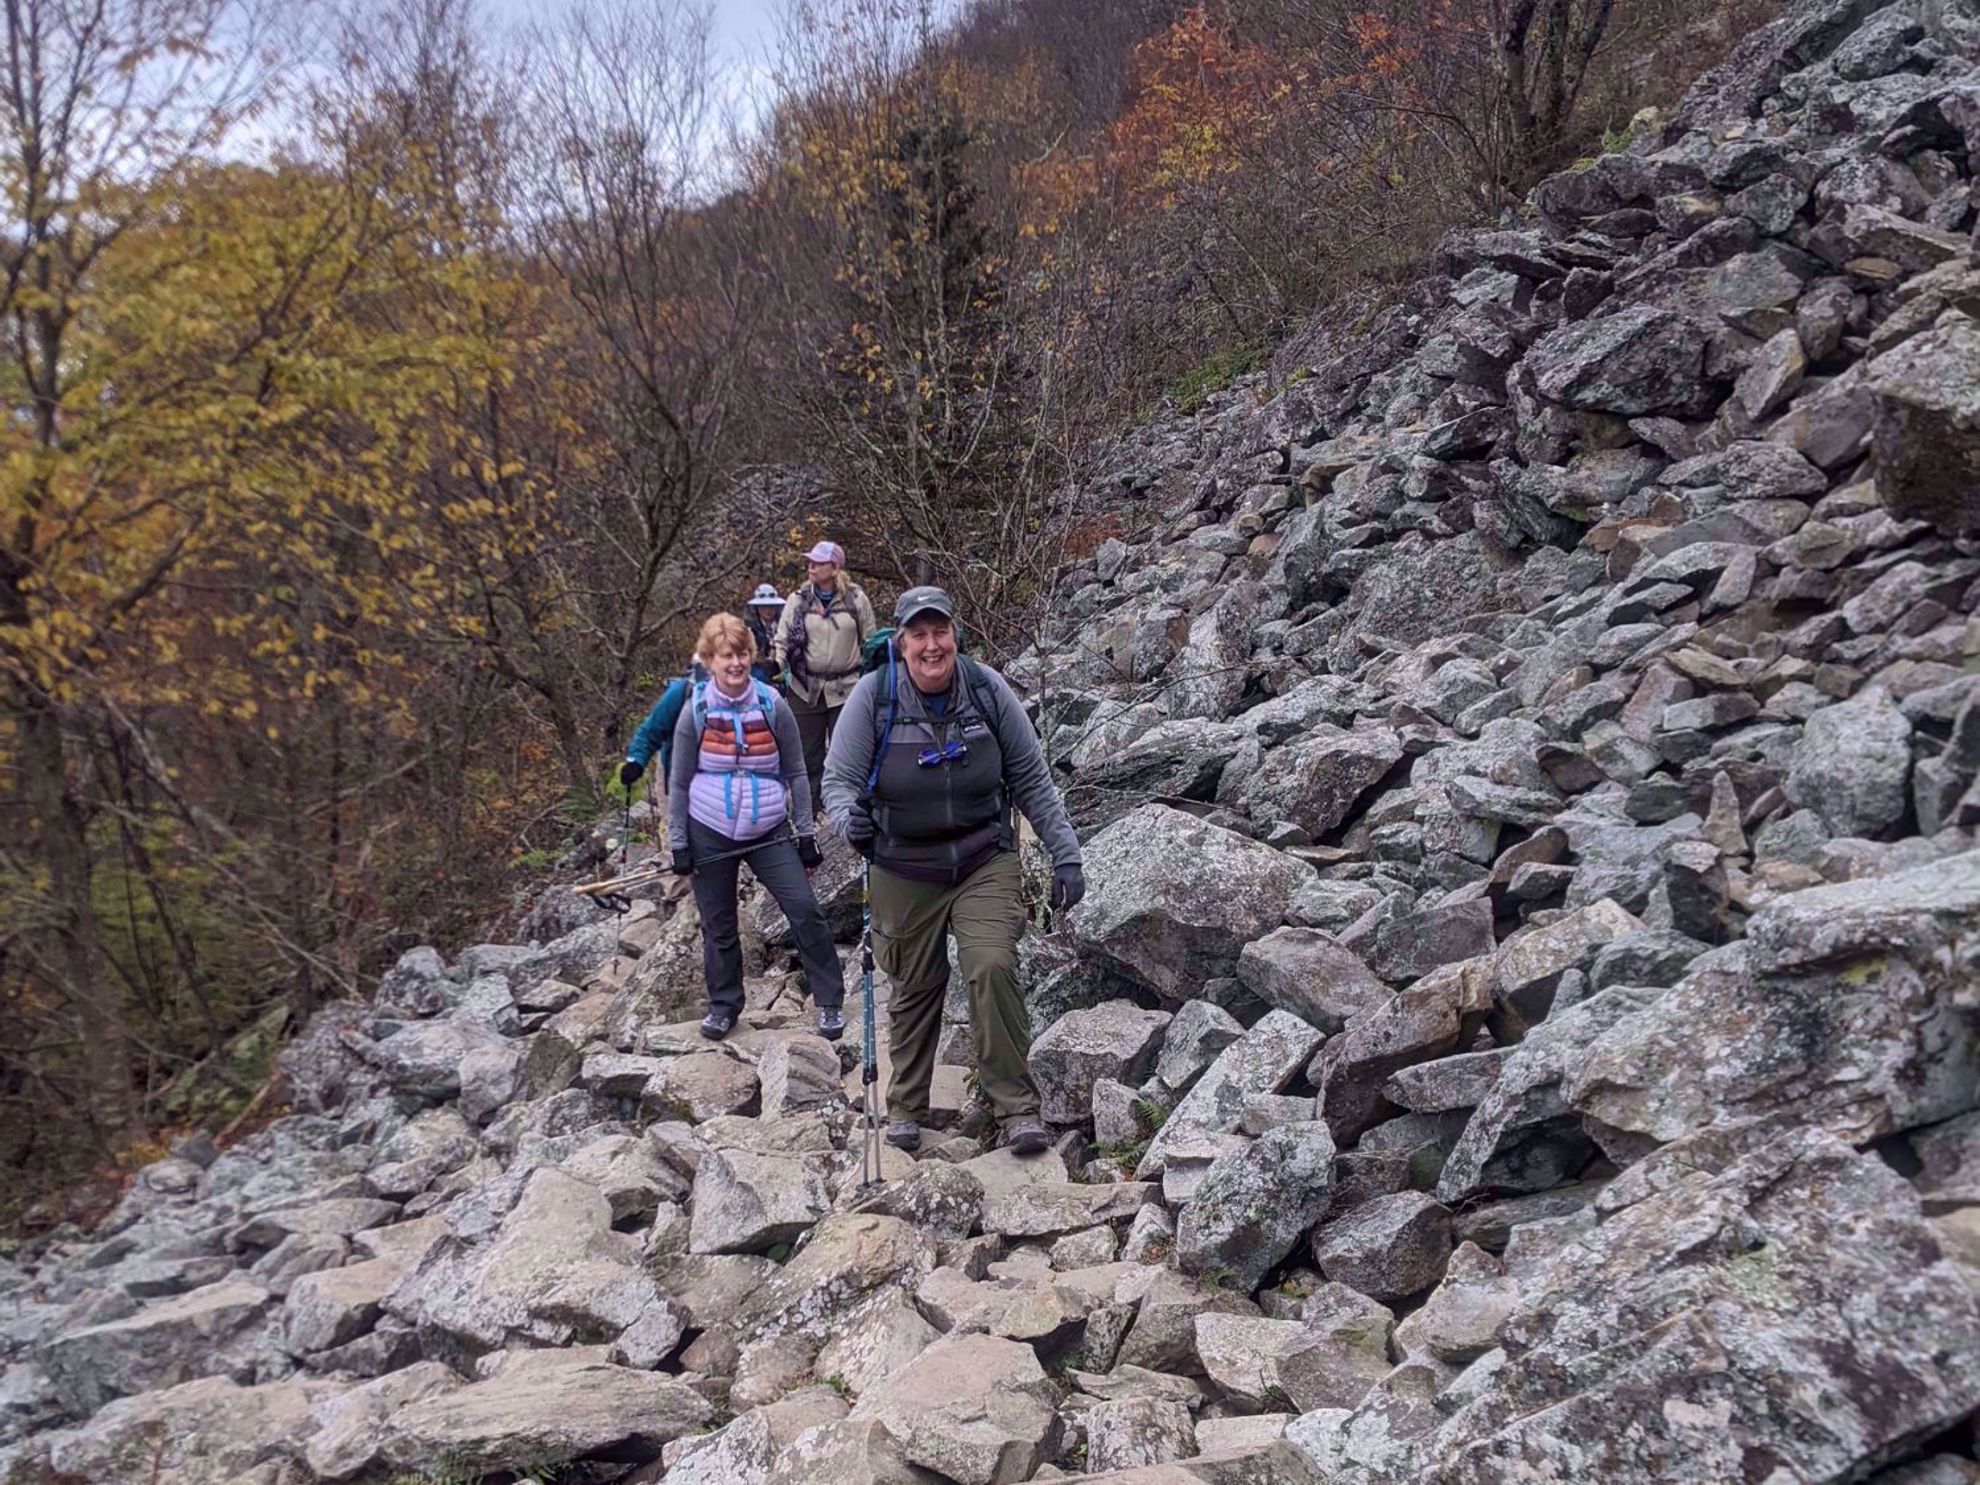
{"x":952,"y":751}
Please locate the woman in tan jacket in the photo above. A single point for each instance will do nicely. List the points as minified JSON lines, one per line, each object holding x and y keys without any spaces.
{"x":819,"y":637}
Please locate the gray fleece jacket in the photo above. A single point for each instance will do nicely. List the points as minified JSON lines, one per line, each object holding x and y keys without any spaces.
{"x":1027,"y":776}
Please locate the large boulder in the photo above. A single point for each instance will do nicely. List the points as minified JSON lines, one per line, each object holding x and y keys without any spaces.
{"x":552,"y":1273}
{"x":749,"y":1203}
{"x":1134,"y":1432}
{"x":975,"y":1409}
{"x":1264,"y":1060}
{"x":220,"y":1330}
{"x":1200,"y":1030}
{"x":1279,"y":1363}
{"x":546,"y":1405}
{"x":849,"y":1264}
{"x":1429,"y":1020}
{"x":746,"y":1447}
{"x":350,"y":1432}
{"x":1853,"y":764}
{"x":1173,"y":900}
{"x":428,"y":1058}
{"x":1117,"y":1040}
{"x":1643,"y":359}
{"x":1925,"y":442}
{"x":1388,"y":1248}
{"x":1308,"y":973}
{"x":1694,"y":1336}
{"x":198,"y":1432}
{"x":1854,"y":1011}
{"x":1254,"y":1205}
{"x":1524,"y":1136}
{"x":1315,"y":781}
{"x":1208,"y":674}
{"x":701,"y":1086}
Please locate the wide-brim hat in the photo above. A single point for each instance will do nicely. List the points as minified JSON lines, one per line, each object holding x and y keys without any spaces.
{"x":766,"y":596}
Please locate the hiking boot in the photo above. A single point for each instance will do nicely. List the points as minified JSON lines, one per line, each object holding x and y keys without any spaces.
{"x":1027,"y":1137}
{"x":717,"y":1024}
{"x":904,"y":1134}
{"x":831,"y":1022}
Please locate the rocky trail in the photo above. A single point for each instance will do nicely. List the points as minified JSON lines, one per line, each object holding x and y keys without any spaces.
{"x":1525,"y":1025}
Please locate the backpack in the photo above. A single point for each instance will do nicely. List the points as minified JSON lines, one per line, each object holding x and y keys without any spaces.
{"x":874,"y":653}
{"x":671,"y":701}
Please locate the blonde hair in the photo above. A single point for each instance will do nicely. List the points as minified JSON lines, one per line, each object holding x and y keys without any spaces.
{"x":724,"y":632}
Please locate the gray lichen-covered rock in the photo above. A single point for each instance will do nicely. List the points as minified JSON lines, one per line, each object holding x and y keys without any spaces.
{"x":1254,"y":1205}
{"x":214,"y":1331}
{"x":1134,"y":1432}
{"x":701,"y":1085}
{"x":1528,"y":1108}
{"x":1314,"y":783}
{"x":975,"y":1409}
{"x":1693,"y":1335}
{"x":1199,"y":1031}
{"x":552,"y":1273}
{"x":1117,"y":1040}
{"x":1925,"y":446}
{"x":1264,"y":1060}
{"x":206,"y":1430}
{"x":1460,"y":1320}
{"x":848,"y":1262}
{"x":1174,"y":899}
{"x":1430,"y":1019}
{"x":545,"y":1405}
{"x":1388,"y":1248}
{"x":1851,"y":1011}
{"x":748,"y":1203}
{"x":1308,"y":973}
{"x":746,"y":1447}
{"x":1643,"y":359}
{"x":1265,"y":1362}
{"x":1853,"y":764}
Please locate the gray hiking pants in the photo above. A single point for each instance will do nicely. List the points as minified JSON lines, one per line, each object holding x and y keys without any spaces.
{"x":775,"y":863}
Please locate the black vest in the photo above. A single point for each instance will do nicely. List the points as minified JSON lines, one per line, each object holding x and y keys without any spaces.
{"x":941,"y":820}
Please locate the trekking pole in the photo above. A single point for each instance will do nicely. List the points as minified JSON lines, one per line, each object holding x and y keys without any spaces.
{"x":625,"y":846}
{"x":869,"y":1073}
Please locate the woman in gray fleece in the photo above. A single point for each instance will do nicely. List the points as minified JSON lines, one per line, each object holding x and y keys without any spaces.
{"x":738,"y":776}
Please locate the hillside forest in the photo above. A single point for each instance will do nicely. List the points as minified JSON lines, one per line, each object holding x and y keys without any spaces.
{"x":390,"y":393}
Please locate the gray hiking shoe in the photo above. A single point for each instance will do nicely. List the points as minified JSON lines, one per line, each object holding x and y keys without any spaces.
{"x":904,"y":1134}
{"x":717,"y":1024}
{"x":831,"y":1022}
{"x":1027,"y":1137}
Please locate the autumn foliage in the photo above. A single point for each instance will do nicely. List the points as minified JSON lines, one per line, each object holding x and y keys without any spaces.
{"x":358,"y":487}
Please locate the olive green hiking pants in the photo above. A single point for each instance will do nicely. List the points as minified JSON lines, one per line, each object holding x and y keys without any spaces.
{"x":911,"y":925}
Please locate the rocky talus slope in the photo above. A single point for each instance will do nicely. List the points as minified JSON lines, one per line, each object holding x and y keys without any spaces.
{"x":1525,"y":1025}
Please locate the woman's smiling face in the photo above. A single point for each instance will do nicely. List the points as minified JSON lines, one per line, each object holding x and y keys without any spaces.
{"x":730,"y":669}
{"x":928,"y":645}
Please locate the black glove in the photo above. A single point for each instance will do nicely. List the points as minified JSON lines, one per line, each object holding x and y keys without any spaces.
{"x":859,"y":828}
{"x":809,"y":856}
{"x":1068,"y":887}
{"x":629,"y":773}
{"x":683,"y":863}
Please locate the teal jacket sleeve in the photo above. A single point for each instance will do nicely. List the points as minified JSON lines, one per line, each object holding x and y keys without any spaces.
{"x":656,"y":733}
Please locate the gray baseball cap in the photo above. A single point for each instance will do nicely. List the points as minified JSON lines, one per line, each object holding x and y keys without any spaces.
{"x":918,"y":601}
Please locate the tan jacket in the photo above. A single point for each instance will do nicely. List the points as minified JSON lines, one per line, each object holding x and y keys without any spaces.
{"x":831,"y":644}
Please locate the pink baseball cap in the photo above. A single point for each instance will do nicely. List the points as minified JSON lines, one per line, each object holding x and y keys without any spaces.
{"x":827,"y":551}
